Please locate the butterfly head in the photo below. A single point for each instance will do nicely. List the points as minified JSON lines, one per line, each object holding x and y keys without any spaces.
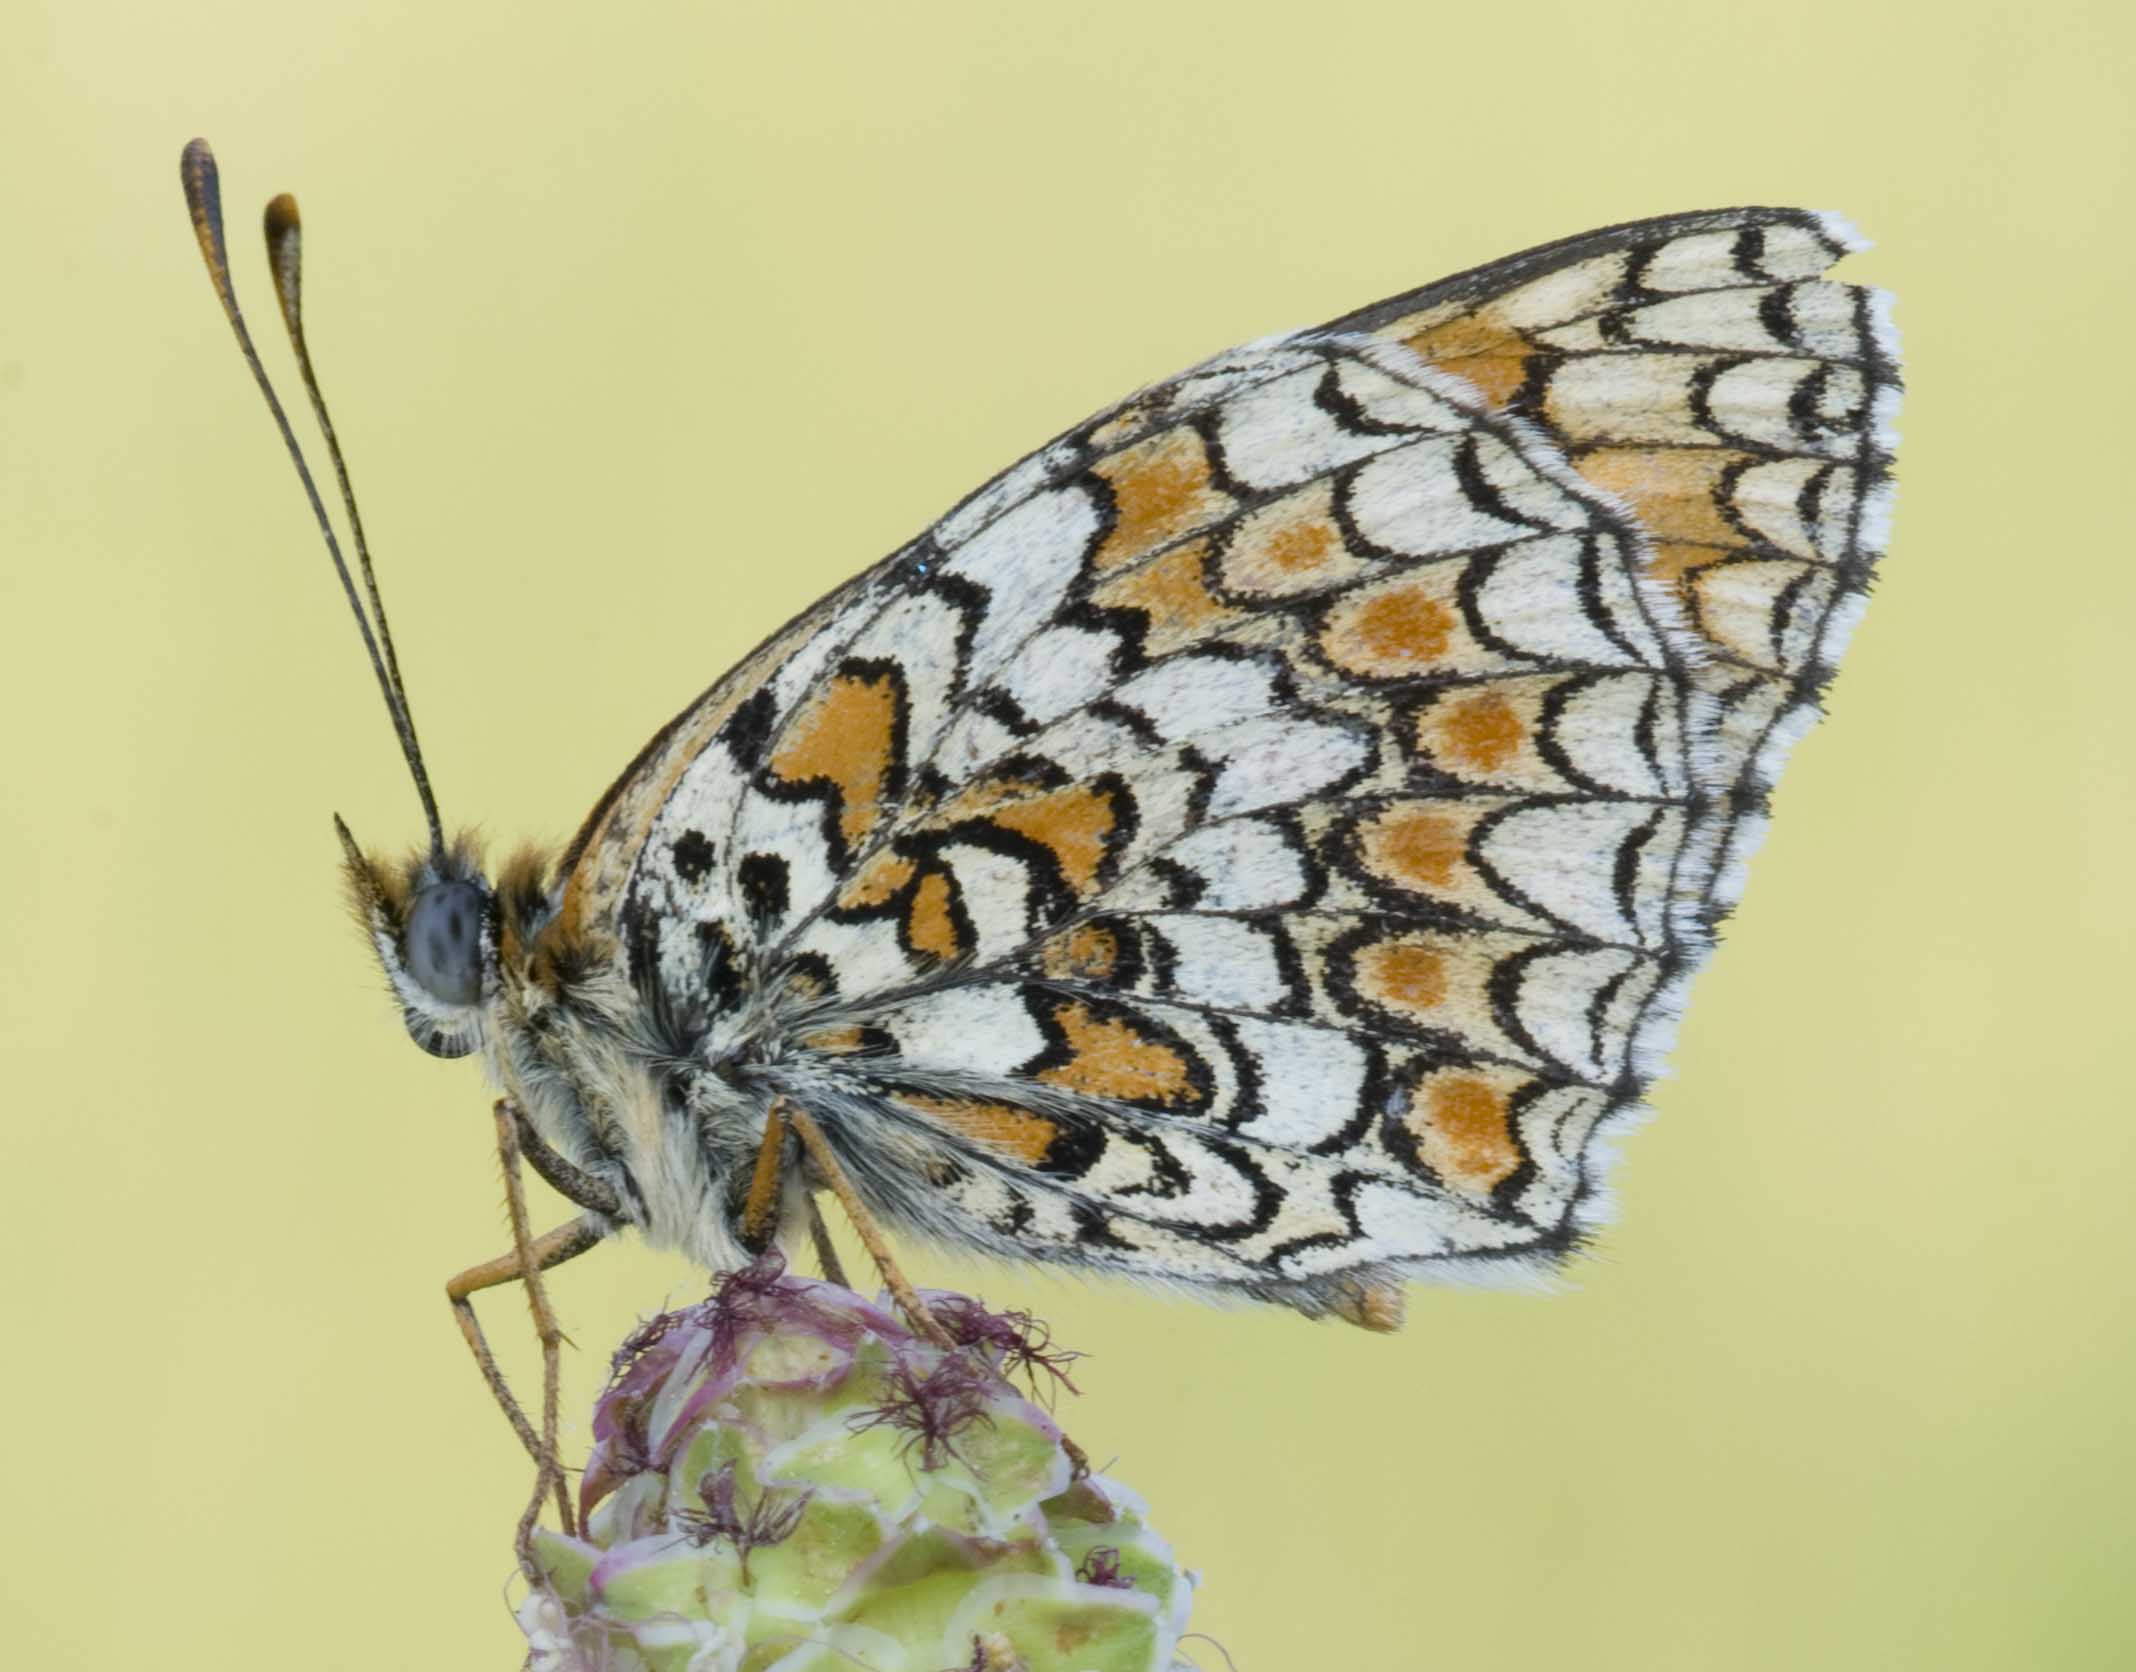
{"x":450,"y":936}
{"x":434,"y":921}
{"x":446,"y":934}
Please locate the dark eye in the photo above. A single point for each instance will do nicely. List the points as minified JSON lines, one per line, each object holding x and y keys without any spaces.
{"x":444,"y":941}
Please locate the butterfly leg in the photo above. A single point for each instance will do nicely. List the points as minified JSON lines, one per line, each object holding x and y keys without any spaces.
{"x":561,"y":1176}
{"x":548,"y":1250}
{"x":758,"y":1221}
{"x":827,"y":1259}
{"x":549,"y":1470}
{"x":529,"y":1258}
{"x":834,"y":1176}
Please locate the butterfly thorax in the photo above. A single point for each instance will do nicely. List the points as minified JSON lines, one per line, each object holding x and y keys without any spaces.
{"x":497,"y":968}
{"x":667,"y":1136}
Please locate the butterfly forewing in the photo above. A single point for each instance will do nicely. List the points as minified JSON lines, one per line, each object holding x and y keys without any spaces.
{"x":1259,"y":839}
{"x":1703,"y":372}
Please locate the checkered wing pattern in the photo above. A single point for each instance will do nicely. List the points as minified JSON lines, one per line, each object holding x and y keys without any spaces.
{"x":1259,"y":840}
{"x":1705,"y":373}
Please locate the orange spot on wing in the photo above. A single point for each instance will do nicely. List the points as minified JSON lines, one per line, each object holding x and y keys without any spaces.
{"x":999,"y":1126}
{"x":1170,"y":592}
{"x":1300,"y":547}
{"x":1161,"y":490}
{"x":1076,"y":823}
{"x":877,"y":881}
{"x":1467,"y":1136}
{"x":1402,"y":975}
{"x":1417,"y":846}
{"x":846,"y":737}
{"x":1489,"y":354}
{"x":1482,"y":732}
{"x":1110,"y":1058}
{"x":1289,"y":546}
{"x":929,"y":925}
{"x":1391,"y":630}
{"x":1675,"y":492}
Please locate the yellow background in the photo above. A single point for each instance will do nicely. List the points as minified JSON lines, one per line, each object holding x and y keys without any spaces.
{"x":648,"y":323}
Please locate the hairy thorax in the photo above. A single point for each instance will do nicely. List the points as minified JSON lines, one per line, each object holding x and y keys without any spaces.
{"x":669,"y":1136}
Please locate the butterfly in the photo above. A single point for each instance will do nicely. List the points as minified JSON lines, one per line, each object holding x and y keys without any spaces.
{"x":1256,"y":844}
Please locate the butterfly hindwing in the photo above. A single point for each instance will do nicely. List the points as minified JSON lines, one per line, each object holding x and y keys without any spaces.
{"x":1259,"y":840}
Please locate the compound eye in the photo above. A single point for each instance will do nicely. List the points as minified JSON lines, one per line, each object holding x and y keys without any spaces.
{"x":444,"y":941}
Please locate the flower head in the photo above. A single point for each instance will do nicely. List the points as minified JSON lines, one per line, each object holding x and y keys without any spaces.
{"x":786,"y":1477}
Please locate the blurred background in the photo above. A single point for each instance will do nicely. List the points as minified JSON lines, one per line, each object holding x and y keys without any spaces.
{"x":646,"y":325}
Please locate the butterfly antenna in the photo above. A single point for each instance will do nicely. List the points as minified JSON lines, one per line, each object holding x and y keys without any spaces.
{"x":285,"y":259}
{"x":203,"y":199}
